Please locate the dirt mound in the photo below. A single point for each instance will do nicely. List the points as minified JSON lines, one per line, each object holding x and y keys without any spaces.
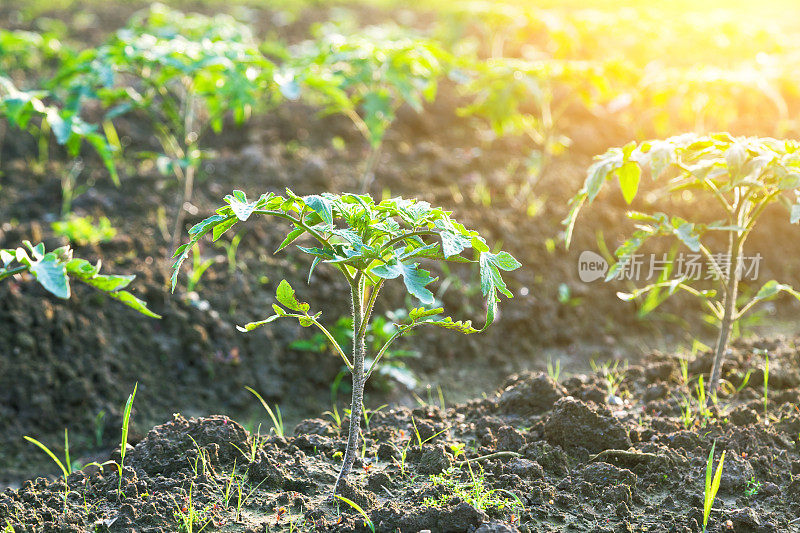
{"x":577,"y":465}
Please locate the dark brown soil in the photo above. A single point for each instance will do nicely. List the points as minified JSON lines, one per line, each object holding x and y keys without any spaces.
{"x":574,"y":457}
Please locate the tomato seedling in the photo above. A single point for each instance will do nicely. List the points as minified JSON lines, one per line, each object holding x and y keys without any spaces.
{"x":366,"y":77}
{"x":53,"y":270}
{"x":518,"y":97}
{"x":730,"y":181}
{"x":27,"y":111}
{"x":186,"y":72}
{"x":368,"y":243}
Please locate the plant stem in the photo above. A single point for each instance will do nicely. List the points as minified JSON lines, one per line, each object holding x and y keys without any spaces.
{"x":13,"y":271}
{"x":369,"y":168}
{"x":188,"y":187}
{"x":356,"y":403}
{"x":729,"y":305}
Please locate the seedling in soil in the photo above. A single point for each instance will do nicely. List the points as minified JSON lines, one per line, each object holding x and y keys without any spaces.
{"x":753,"y":487}
{"x":366,"y":77}
{"x":474,"y":491}
{"x":256,"y":442}
{"x":275,"y":416}
{"x":27,"y":111}
{"x":83,"y":230}
{"x":190,"y":518}
{"x":186,"y":72}
{"x":354,"y":505}
{"x":741,"y":176}
{"x":368,"y":243}
{"x":199,"y":266}
{"x":126,"y":420}
{"x":712,"y":483}
{"x":402,"y":453}
{"x":53,"y":270}
{"x":553,"y":370}
{"x":65,"y":467}
{"x":612,"y":374}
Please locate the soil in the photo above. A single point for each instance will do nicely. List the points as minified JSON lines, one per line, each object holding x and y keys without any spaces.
{"x":63,"y":363}
{"x":549,"y":456}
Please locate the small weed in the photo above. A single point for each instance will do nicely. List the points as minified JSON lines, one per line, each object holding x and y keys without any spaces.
{"x":275,"y":416}
{"x":553,"y":370}
{"x":474,"y":490}
{"x":84,"y":230}
{"x":712,"y":484}
{"x":199,"y":266}
{"x":65,"y":470}
{"x":753,"y":487}
{"x":613,"y":373}
{"x":361,"y":511}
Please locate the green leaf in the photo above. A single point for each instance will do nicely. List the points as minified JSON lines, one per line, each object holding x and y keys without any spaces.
{"x":414,"y":278}
{"x":132,"y":301}
{"x":250,"y":326}
{"x":290,"y":238}
{"x":629,"y":175}
{"x":322,"y":206}
{"x":462,"y":326}
{"x":490,"y":275}
{"x":504,"y":261}
{"x":685,"y":232}
{"x":735,"y":156}
{"x":221,"y":228}
{"x":52,"y":275}
{"x":109,"y":283}
{"x":6,"y":257}
{"x":286,"y":296}
{"x":453,"y":243}
{"x":420,"y":312}
{"x":241,"y":208}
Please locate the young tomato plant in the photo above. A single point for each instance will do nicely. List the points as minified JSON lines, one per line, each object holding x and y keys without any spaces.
{"x":518,"y":97}
{"x":731,"y":181}
{"x":53,"y":270}
{"x":27,"y":111}
{"x":26,"y":55}
{"x":186,"y":72}
{"x":365,"y":76}
{"x":368,"y":243}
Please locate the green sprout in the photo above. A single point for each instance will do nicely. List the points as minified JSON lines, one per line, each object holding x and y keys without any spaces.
{"x":712,"y":484}
{"x":368,"y":243}
{"x":65,"y":467}
{"x":741,"y":176}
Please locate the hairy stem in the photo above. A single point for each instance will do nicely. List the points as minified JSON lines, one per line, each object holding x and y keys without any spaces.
{"x":729,"y":315}
{"x":188,"y":187}
{"x":356,"y":403}
{"x":369,"y":168}
{"x":12,"y":272}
